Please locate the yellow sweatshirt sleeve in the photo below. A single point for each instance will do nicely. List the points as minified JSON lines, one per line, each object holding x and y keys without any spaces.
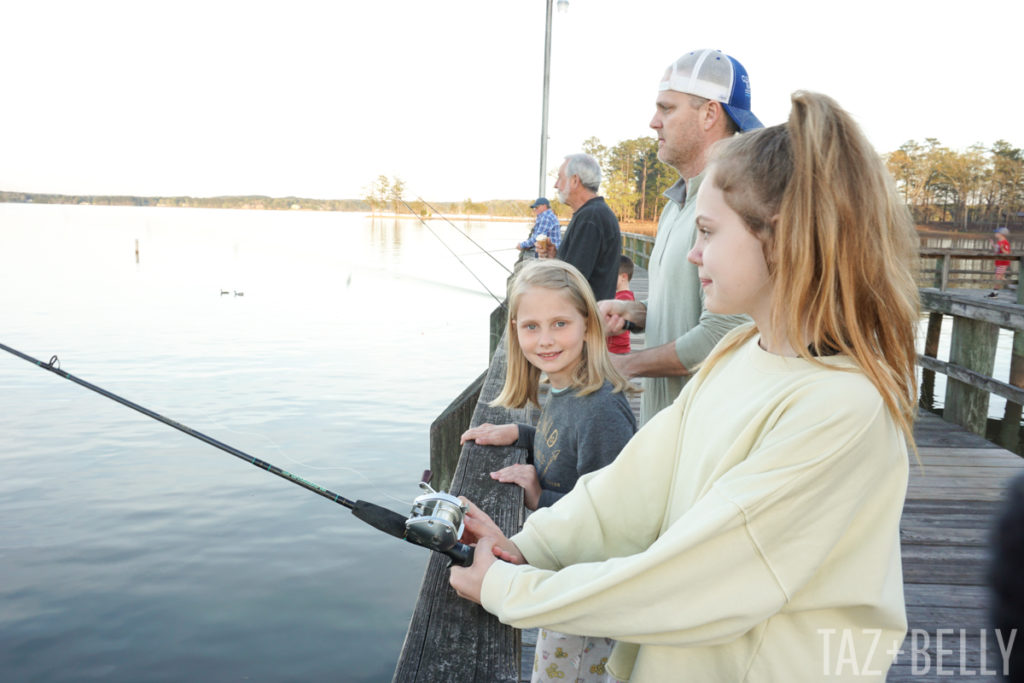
{"x":584,"y":528}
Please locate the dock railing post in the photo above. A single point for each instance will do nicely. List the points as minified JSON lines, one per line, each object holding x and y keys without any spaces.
{"x":972,"y":346}
{"x":1009,"y":430}
{"x":942,"y":274}
{"x":931,"y":348}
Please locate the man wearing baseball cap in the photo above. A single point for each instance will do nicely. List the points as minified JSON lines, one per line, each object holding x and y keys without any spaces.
{"x":547,"y":224}
{"x":703,"y":97}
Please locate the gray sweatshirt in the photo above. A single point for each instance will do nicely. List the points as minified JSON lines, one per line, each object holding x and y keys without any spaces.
{"x":576,"y":435}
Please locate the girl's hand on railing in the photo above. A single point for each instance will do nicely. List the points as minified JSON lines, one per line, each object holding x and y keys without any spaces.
{"x":491,"y":435}
{"x":525,"y":477}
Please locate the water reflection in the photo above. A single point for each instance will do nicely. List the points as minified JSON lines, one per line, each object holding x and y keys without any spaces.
{"x":385,"y":232}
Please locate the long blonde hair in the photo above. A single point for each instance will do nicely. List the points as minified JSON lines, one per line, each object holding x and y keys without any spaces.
{"x":838,"y":241}
{"x":594,"y":367}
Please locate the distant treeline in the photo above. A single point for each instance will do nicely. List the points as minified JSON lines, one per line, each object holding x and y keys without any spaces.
{"x":243,"y":202}
{"x":388,"y":195}
{"x":981,"y":186}
{"x":497,"y":207}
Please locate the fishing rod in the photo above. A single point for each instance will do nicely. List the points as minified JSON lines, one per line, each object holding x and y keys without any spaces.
{"x":462,"y":232}
{"x":427,"y":225}
{"x":436,"y":521}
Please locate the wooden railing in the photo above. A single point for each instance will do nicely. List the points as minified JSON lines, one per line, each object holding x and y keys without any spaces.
{"x":941,"y":268}
{"x":961,"y":268}
{"x":637,"y":248}
{"x":973,"y":346}
{"x":951,"y":273}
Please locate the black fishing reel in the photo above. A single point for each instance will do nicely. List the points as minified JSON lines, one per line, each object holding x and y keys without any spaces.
{"x":436,"y":522}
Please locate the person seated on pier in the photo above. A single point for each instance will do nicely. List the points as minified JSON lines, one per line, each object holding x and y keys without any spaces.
{"x":554,"y":328}
{"x":750,"y":531}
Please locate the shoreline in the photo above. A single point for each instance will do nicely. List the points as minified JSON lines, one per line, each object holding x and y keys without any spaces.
{"x":265,"y":203}
{"x":262,"y":203}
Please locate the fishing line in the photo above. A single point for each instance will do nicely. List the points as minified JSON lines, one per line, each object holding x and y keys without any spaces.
{"x":268,"y":441}
{"x":435,"y":522}
{"x":452,"y":251}
{"x":493,"y":251}
{"x":460,"y":231}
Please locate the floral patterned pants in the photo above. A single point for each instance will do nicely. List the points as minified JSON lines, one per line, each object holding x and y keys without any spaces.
{"x":571,"y":659}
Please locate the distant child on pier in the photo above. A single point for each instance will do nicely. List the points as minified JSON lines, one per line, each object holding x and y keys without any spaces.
{"x":554,"y":328}
{"x":619,"y":343}
{"x":751,"y":530}
{"x":1002,"y":246}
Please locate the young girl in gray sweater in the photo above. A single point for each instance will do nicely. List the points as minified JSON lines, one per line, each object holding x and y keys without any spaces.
{"x":554,"y":328}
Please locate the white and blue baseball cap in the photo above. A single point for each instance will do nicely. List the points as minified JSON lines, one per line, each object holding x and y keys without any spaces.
{"x":714,"y":75}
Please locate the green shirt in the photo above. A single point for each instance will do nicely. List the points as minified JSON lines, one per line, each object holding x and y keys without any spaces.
{"x":675,"y":302}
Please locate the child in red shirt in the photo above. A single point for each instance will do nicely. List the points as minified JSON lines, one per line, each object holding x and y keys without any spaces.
{"x":1002,"y":246}
{"x":620,"y":342}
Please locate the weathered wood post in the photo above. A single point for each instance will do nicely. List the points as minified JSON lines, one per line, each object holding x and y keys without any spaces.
{"x":1009,"y":430}
{"x":942,"y":272}
{"x":931,"y":348}
{"x":973,"y":346}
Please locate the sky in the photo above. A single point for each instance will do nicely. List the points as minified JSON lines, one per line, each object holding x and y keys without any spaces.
{"x":317,"y":99}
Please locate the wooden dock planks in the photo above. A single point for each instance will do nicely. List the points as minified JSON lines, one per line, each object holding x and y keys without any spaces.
{"x":952,"y":502}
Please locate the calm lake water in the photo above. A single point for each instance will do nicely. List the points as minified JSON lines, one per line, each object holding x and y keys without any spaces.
{"x":132,"y":552}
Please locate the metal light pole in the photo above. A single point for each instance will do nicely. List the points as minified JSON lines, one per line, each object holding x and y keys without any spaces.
{"x":563,"y":5}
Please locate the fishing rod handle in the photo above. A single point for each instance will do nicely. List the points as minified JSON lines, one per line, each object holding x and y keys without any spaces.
{"x":460,"y":554}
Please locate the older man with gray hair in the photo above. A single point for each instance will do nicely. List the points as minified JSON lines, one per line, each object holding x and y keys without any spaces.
{"x":592,"y":242}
